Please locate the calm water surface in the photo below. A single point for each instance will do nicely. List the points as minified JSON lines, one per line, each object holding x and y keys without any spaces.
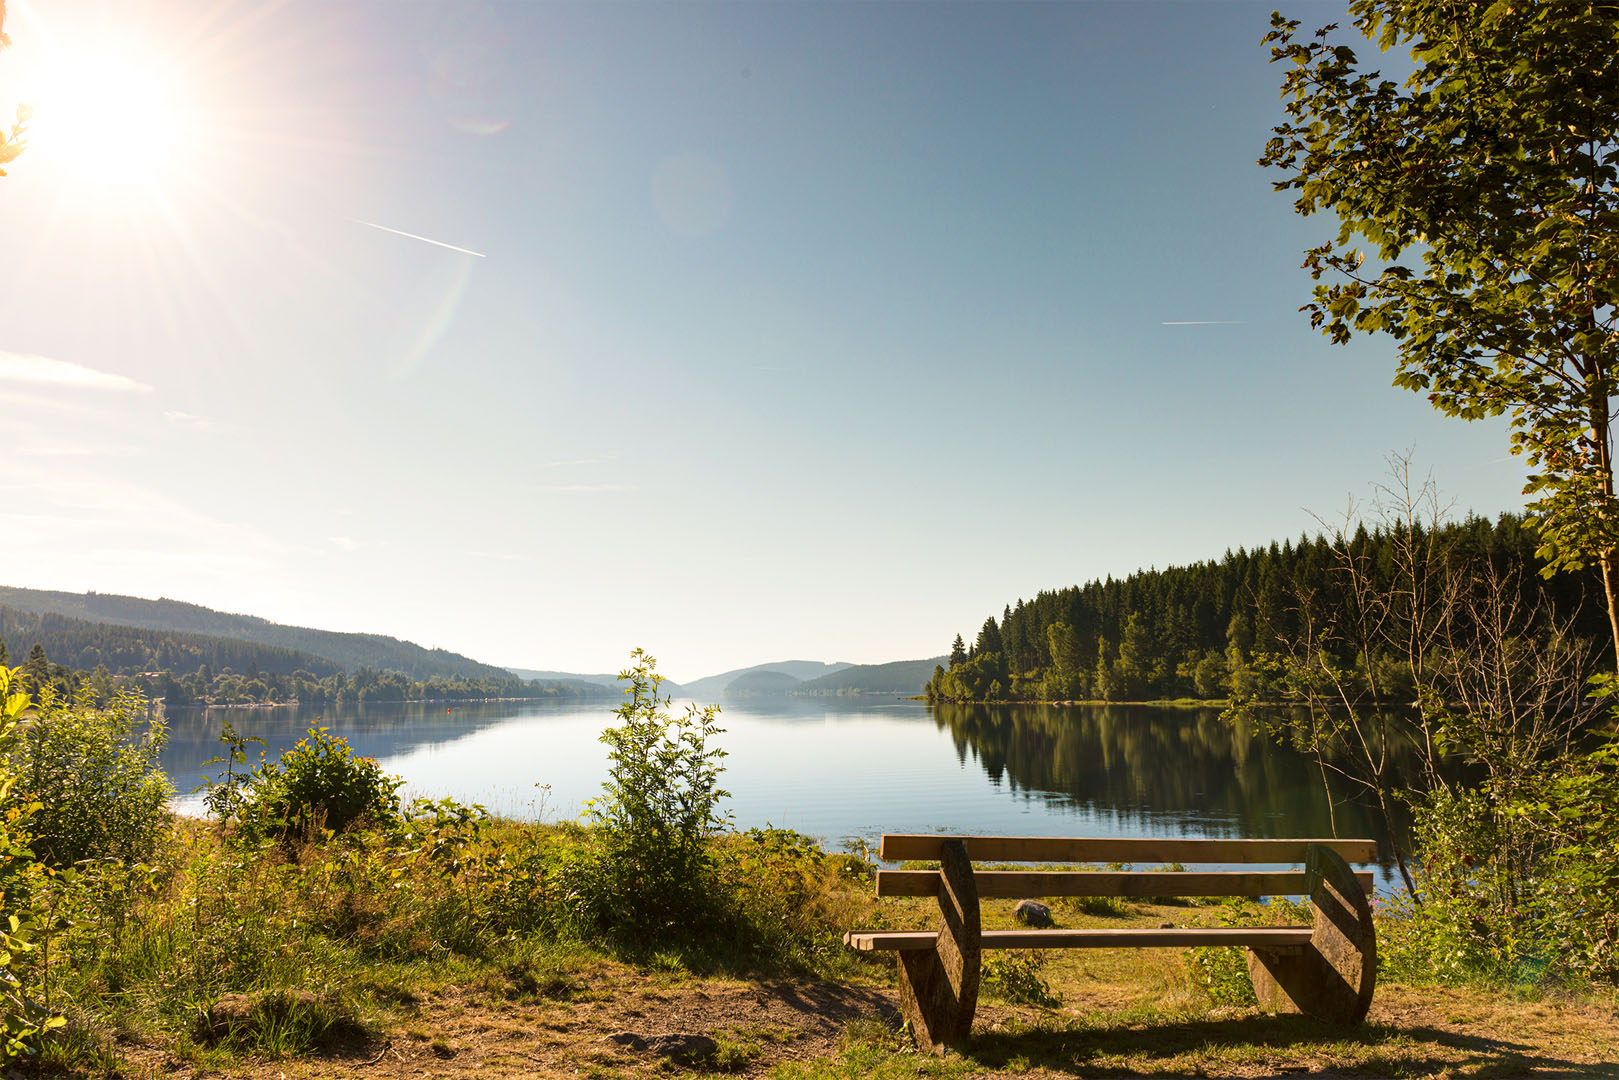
{"x":847,"y":768}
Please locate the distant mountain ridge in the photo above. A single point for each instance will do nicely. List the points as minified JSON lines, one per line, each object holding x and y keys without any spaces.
{"x":807,"y":678}
{"x":714,"y":686}
{"x":349,"y":651}
{"x":670,"y":687}
{"x":907,"y":677}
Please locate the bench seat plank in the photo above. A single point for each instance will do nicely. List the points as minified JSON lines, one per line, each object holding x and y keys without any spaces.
{"x":898,"y":847}
{"x":1270,"y":937}
{"x":1135,"y":883}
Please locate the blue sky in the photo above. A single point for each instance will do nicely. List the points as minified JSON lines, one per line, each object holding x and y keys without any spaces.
{"x":810,"y":331}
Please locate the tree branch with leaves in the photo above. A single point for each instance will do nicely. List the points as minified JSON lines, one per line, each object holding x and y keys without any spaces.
{"x":1484,"y":186}
{"x":11,"y":143}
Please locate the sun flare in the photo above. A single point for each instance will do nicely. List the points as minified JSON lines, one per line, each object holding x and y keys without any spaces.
{"x":109,"y":121}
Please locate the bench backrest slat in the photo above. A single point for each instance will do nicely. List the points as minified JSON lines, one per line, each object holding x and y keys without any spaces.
{"x":1033,"y":883}
{"x":897,"y":847}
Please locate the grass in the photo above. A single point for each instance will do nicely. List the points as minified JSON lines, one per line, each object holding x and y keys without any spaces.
{"x":426,"y":953}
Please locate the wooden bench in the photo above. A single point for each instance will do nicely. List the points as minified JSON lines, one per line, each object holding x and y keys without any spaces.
{"x":1326,"y":969}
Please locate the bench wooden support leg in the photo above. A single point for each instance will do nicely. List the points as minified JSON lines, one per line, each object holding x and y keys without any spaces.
{"x":938,"y":987}
{"x":1332,"y":978}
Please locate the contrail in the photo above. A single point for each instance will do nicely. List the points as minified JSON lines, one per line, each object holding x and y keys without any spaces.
{"x":1189,"y":322}
{"x":423,"y":239}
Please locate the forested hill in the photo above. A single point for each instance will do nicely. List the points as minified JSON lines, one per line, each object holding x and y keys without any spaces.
{"x":895,"y":677}
{"x":1192,"y":631}
{"x":128,"y":650}
{"x":348,"y":651}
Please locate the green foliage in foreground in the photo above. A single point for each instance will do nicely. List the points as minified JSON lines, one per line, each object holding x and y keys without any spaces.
{"x":101,"y":791}
{"x":651,"y":868}
{"x":224,"y":939}
{"x":23,"y":1017}
{"x":313,"y":888}
{"x":1521,"y":889}
{"x":317,"y":784}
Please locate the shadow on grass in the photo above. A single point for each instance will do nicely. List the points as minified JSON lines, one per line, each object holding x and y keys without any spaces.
{"x":1194,"y":1048}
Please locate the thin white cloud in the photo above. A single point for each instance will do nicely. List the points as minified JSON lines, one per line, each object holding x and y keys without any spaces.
{"x":84,"y":521}
{"x":345,"y":542}
{"x":1207,"y":322}
{"x":55,"y":450}
{"x":497,"y":555}
{"x":591,"y":488}
{"x":189,"y":420}
{"x":423,"y":239}
{"x":31,"y":368}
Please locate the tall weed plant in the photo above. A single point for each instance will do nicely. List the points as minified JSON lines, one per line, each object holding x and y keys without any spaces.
{"x":651,"y":869}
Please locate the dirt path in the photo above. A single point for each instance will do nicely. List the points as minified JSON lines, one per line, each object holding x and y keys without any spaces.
{"x":611,"y":1029}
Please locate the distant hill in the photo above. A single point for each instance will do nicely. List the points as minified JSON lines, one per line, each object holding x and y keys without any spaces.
{"x":599,"y":680}
{"x":669,"y":688}
{"x":762,"y":684}
{"x":714,"y":686}
{"x":348,"y":651}
{"x":906,"y":677}
{"x":128,"y":650}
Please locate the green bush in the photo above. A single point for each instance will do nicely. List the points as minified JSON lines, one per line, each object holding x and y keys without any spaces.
{"x":101,"y":790}
{"x":1221,"y":972}
{"x":651,"y":873}
{"x":24,"y":1018}
{"x":1464,"y":930}
{"x":1515,"y":889}
{"x":318,"y":784}
{"x":1576,"y":894}
{"x":1015,"y":977}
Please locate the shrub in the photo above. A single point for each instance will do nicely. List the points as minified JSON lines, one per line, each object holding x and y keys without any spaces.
{"x":1221,"y":972}
{"x":1516,"y":888}
{"x":1576,"y":896}
{"x":652,"y":868}
{"x":24,"y":1019}
{"x":792,"y":901}
{"x":1015,"y":977}
{"x":318,"y":784}
{"x":101,"y":791}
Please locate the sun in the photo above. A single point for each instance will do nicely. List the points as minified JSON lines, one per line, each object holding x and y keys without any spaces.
{"x":108,"y":120}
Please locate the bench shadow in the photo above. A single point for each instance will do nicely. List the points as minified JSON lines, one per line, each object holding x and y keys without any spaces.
{"x":1152,"y":1050}
{"x":831,"y":1002}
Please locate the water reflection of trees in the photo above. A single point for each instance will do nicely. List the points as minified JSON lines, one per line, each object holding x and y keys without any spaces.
{"x":376,"y":731}
{"x":1140,"y":761}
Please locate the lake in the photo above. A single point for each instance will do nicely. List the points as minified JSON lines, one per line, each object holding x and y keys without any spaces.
{"x":841,"y":769}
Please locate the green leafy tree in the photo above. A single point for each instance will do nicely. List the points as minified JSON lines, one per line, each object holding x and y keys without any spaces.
{"x":1209,"y":676}
{"x":1485,"y":187}
{"x":958,"y":652}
